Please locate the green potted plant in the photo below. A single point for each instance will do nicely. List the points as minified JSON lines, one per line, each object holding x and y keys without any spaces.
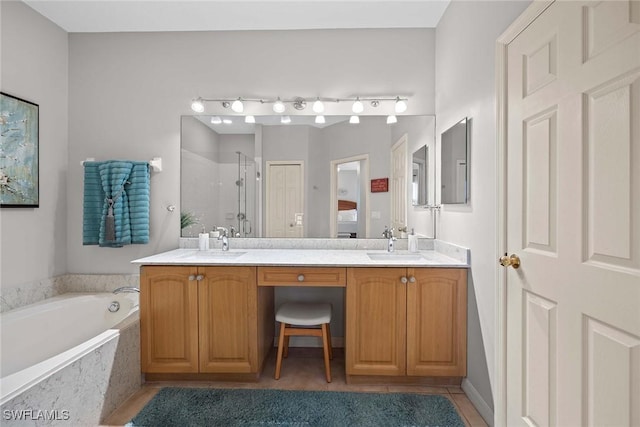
{"x":187,"y":219}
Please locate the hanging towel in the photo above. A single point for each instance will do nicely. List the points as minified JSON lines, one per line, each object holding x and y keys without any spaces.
{"x":116,"y":203}
{"x":92,"y":204}
{"x":115,"y":211}
{"x":138,"y":193}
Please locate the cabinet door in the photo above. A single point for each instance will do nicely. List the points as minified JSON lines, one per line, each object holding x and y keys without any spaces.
{"x":376,"y":321}
{"x":168,"y":319}
{"x":437,"y":322}
{"x":228,"y":319}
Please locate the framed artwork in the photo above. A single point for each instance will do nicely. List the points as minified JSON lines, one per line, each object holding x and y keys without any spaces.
{"x":19,"y":158}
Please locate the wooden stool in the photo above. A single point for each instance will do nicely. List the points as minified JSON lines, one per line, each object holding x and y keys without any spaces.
{"x":304,"y":314}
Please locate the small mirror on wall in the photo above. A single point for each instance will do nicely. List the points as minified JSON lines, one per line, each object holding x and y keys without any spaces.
{"x":454,"y":164}
{"x":419,"y":187}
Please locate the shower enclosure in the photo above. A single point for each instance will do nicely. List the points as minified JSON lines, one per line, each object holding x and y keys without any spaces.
{"x":245,"y":213}
{"x":220,"y":191}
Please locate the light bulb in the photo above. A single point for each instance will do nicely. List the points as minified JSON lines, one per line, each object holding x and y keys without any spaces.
{"x":237,"y":106}
{"x":285,"y":120}
{"x":354,"y":120}
{"x":391,"y":120}
{"x":249,"y":119}
{"x":318,"y":106}
{"x":358,"y":106}
{"x":216,"y":120}
{"x":401,"y":105}
{"x":320,"y":119}
{"x":197,"y":105}
{"x":227,"y":121}
{"x":278,"y":106}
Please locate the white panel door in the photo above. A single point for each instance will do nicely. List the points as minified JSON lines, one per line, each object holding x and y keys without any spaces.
{"x":399,"y":174}
{"x":285,"y":200}
{"x":573,"y":217}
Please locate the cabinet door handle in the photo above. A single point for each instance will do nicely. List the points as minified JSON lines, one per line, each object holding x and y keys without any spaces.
{"x":404,"y":279}
{"x":199,"y":277}
{"x":301,"y":278}
{"x":412,"y":279}
{"x":192,"y":277}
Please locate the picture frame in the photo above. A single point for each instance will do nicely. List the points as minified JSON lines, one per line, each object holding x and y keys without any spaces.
{"x":380,"y":185}
{"x":19,"y":152}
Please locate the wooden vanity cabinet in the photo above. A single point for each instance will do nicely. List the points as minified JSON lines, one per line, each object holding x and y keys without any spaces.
{"x":417,"y":328}
{"x":168,"y":319}
{"x":209,"y":319}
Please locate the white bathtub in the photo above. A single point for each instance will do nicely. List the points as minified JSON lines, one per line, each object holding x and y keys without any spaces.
{"x":40,"y":339}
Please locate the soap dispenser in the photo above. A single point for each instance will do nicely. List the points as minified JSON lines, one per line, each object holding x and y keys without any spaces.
{"x":203,"y":240}
{"x":413,"y":241}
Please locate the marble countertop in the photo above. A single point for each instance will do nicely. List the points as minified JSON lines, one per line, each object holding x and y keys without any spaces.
{"x":306,"y":257}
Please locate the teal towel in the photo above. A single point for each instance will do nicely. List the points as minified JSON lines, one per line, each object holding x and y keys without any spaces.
{"x":92,"y":204}
{"x":127,"y":183}
{"x":138,"y":193}
{"x":114,"y":175}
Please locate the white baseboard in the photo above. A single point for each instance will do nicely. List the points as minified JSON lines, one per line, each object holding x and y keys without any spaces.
{"x":483,"y":408}
{"x":336,"y":342}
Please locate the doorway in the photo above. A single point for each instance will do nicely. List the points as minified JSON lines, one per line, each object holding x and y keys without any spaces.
{"x":349,"y":207}
{"x":568,"y":298}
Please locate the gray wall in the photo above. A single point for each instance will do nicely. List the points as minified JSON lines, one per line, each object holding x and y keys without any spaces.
{"x":34,"y":67}
{"x":127,"y":92}
{"x":465,"y":87}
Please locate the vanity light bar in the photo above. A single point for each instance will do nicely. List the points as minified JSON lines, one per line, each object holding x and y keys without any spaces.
{"x":279,"y":105}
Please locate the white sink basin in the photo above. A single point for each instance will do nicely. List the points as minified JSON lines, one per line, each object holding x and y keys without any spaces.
{"x":394,"y":256}
{"x":216,"y":254}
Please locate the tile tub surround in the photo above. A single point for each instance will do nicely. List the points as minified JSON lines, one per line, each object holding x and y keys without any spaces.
{"x":29,"y":293}
{"x":87,"y":390}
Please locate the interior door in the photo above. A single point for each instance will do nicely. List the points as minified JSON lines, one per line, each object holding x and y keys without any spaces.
{"x":573,"y":217}
{"x":399,"y":199}
{"x":285,"y":200}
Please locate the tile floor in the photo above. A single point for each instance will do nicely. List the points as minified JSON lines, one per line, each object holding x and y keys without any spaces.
{"x":302,"y":370}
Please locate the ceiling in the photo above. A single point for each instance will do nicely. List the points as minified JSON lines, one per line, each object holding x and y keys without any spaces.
{"x":218,"y":15}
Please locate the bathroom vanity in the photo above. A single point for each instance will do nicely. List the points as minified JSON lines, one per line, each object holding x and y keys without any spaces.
{"x":210,"y":314}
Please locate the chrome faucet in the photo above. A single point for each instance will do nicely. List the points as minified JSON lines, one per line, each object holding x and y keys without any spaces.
{"x":224,"y":237}
{"x":388,"y":234}
{"x":127,"y":289}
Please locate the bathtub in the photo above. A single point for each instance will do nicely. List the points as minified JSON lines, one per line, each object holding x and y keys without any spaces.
{"x":41,"y":339}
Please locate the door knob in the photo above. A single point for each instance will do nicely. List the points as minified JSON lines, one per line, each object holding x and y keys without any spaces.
{"x":192,"y":277}
{"x":199,"y":277}
{"x":412,"y":279}
{"x":513,"y":261}
{"x":404,"y":279}
{"x":301,"y":278}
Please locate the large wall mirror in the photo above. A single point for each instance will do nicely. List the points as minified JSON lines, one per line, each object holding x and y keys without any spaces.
{"x":275,"y":179}
{"x":454,"y":165}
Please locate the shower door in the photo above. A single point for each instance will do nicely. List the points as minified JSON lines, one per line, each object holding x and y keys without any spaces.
{"x":246,"y":197}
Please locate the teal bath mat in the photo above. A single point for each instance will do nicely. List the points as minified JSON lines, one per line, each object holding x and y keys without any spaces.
{"x":241,"y":407}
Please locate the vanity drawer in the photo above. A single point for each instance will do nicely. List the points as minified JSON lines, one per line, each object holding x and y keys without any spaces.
{"x":302,"y":276}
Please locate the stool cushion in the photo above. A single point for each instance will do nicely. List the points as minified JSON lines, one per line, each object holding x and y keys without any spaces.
{"x":304,"y":313}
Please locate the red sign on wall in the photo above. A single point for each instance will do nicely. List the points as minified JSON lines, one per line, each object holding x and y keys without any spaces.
{"x":380,"y":185}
